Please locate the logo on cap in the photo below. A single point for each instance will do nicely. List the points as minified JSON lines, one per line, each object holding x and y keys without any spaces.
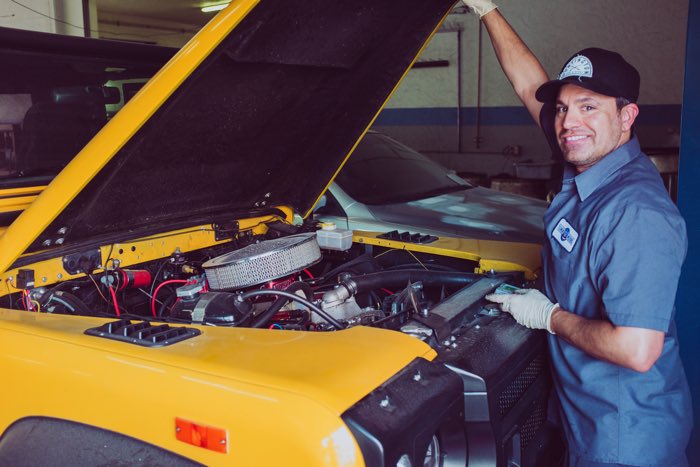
{"x":579,"y":66}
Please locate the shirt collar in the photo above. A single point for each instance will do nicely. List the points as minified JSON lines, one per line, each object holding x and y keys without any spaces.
{"x":588,"y":181}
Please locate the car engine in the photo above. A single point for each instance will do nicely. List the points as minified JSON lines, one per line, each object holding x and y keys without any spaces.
{"x":288,"y":282}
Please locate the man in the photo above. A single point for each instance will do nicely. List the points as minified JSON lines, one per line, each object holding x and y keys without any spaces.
{"x":612,"y":259}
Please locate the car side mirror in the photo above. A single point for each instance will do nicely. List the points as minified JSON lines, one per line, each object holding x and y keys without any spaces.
{"x":111,"y":95}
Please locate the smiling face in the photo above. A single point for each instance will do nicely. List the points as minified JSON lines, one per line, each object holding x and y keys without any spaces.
{"x":589,"y":125}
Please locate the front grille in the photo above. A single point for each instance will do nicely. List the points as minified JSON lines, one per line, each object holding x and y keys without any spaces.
{"x":534,"y":421}
{"x":516,"y":389}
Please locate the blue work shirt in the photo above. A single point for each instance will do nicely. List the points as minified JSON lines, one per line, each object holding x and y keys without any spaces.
{"x":616,"y":243}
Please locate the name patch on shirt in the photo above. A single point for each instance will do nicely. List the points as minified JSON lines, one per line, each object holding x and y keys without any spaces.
{"x":565,"y":235}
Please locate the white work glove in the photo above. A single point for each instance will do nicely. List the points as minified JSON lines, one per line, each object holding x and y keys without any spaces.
{"x":481,"y":7}
{"x":529,"y":307}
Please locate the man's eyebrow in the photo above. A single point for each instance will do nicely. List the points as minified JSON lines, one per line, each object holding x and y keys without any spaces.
{"x":580,"y":100}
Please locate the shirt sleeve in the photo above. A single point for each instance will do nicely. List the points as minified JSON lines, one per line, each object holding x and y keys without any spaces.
{"x":638,"y":264}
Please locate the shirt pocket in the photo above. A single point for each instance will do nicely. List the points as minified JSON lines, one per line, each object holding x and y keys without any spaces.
{"x":561,"y":275}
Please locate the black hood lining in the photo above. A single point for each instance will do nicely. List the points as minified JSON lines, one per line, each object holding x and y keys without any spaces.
{"x":265,"y":120}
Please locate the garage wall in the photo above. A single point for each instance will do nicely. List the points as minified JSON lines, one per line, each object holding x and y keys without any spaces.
{"x":56,"y":16}
{"x":492,"y":130}
{"x":459,"y":108}
{"x":145,"y":30}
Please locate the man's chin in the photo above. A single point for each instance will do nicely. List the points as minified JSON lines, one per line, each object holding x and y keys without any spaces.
{"x":572,"y":157}
{"x":576,"y":159}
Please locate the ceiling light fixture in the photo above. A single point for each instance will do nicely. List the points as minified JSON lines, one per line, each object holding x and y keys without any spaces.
{"x":217,"y":7}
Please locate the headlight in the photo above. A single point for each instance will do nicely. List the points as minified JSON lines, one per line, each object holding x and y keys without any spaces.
{"x":404,"y":461}
{"x":433,"y":455}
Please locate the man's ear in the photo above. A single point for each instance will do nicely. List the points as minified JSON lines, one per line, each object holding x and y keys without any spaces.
{"x":629,"y":114}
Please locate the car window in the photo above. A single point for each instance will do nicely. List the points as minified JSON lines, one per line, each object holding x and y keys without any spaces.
{"x":53,"y":103}
{"x":41,"y":131}
{"x":52,"y":130}
{"x":382,"y":170}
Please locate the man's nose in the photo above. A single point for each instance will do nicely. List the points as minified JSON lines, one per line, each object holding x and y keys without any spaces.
{"x":571,"y":119}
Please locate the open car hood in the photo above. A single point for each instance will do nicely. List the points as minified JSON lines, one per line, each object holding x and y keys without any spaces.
{"x":260,"y":109}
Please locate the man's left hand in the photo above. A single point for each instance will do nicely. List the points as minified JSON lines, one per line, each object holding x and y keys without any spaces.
{"x":530,"y":308}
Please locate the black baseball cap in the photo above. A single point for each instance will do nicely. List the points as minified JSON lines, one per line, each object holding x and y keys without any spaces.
{"x":597,"y":70}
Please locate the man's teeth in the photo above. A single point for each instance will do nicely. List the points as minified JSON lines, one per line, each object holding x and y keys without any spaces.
{"x":575,"y":138}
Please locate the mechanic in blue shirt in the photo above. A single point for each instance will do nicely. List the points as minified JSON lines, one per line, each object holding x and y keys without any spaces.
{"x":614,"y":249}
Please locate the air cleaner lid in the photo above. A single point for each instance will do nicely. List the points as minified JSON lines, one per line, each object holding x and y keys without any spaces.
{"x":262,"y":262}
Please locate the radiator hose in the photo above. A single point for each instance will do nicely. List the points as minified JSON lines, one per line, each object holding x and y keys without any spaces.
{"x":389,"y":279}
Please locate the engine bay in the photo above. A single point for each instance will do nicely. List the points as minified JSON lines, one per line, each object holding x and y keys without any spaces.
{"x":282,"y":283}
{"x":282,"y":280}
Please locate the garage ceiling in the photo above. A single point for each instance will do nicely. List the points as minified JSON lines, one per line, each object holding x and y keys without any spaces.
{"x":178,"y":11}
{"x":176,"y":20}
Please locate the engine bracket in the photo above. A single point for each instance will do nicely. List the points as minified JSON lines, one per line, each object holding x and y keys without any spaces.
{"x":84,"y":261}
{"x":226,"y":230}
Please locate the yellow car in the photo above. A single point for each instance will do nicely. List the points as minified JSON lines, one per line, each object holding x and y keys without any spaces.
{"x":166,"y":298}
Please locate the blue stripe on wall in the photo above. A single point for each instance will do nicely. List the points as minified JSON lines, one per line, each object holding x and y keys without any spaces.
{"x":447,"y":116}
{"x":659,"y":115}
{"x":438,"y":116}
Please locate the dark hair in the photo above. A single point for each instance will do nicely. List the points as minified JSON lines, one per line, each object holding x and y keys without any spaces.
{"x":620,"y":102}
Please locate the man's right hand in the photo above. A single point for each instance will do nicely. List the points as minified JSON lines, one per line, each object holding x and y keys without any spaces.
{"x":480,"y":6}
{"x":530,"y":307}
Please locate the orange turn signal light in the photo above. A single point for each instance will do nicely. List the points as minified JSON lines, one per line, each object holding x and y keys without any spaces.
{"x":202,"y":436}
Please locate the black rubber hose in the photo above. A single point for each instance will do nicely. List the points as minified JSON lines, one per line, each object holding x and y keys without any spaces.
{"x":71,"y":302}
{"x":296,"y":298}
{"x":400,"y":278}
{"x":428,"y":266}
{"x":59,"y":287}
{"x":167,"y":303}
{"x":349,"y":266}
{"x":268,"y":314}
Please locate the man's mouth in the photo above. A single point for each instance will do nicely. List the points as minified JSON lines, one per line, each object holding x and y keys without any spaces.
{"x":575,"y":138}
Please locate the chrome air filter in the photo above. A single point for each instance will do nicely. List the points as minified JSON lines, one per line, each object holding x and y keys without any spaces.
{"x":262,"y":262}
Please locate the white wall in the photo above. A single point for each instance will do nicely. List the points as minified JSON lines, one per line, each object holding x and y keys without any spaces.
{"x":147,"y":30}
{"x":56,"y":16}
{"x":649,"y":34}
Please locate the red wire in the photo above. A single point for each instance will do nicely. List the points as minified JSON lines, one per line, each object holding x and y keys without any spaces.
{"x":114,"y":300}
{"x":153,"y":298}
{"x":30,"y":303}
{"x":308,"y":273}
{"x":388,"y":291}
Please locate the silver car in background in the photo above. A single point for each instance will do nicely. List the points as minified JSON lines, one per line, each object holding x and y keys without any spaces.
{"x":386,"y":186}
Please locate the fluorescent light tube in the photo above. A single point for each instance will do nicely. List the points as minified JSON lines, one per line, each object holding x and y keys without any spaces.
{"x":210,"y":8}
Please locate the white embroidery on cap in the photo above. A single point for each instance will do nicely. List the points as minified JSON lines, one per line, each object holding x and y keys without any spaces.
{"x":579,"y":66}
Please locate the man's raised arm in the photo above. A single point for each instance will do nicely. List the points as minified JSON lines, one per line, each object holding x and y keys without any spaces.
{"x":519,"y":64}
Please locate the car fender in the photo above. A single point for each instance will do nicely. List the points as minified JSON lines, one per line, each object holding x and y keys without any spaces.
{"x":35,"y":441}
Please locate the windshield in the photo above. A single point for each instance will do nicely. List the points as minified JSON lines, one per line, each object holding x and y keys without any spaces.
{"x":56,"y":100}
{"x":382,"y":171}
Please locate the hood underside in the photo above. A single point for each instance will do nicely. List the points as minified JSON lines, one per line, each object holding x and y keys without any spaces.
{"x":266,"y":118}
